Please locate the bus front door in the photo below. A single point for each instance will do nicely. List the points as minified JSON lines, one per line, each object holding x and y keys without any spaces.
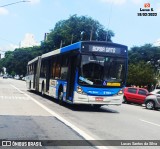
{"x":71,"y":77}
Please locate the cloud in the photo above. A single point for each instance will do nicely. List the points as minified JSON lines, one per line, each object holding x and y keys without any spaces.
{"x":116,"y":2}
{"x":3,"y":11}
{"x":9,"y":47}
{"x":157,"y":42}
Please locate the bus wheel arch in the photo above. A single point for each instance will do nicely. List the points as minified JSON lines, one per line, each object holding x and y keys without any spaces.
{"x":60,"y":95}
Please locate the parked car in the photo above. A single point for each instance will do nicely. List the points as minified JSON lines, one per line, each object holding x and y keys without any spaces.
{"x":152,"y":101}
{"x":24,"y":78}
{"x":5,"y":76}
{"x":134,"y":95}
{"x":17,"y":77}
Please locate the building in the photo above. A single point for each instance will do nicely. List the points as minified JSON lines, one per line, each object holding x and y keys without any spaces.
{"x":29,"y":41}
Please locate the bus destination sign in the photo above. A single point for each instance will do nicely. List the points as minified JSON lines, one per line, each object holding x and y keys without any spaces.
{"x":104,"y":49}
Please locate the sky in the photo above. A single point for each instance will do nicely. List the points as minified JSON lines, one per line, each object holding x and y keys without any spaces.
{"x":38,"y":17}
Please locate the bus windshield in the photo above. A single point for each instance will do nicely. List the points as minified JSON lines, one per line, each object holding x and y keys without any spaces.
{"x":102,"y":71}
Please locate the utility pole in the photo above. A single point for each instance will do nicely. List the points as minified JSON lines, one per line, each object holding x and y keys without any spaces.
{"x":72,"y":39}
{"x":91,"y":33}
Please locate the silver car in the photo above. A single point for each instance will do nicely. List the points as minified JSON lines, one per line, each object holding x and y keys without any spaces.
{"x":152,"y":101}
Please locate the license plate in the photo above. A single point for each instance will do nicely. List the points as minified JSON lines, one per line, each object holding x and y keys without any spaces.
{"x":99,"y":98}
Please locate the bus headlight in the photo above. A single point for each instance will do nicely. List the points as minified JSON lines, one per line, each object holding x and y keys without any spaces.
{"x":80,"y":90}
{"x":120,"y":92}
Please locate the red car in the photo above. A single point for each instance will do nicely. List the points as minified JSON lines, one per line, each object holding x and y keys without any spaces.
{"x":135,"y":95}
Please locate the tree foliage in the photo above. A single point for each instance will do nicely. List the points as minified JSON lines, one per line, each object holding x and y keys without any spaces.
{"x":143,"y":65}
{"x":16,"y":61}
{"x":140,"y":74}
{"x":75,"y":29}
{"x":144,"y":53}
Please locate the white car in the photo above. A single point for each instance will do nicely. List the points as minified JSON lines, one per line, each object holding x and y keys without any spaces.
{"x":24,"y":78}
{"x":17,"y":77}
{"x":152,"y":101}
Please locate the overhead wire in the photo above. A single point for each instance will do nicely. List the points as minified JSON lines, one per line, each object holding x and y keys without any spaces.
{"x":13,"y":3}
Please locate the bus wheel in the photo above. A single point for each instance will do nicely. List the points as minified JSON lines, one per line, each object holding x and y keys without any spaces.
{"x":96,"y":106}
{"x":60,"y":98}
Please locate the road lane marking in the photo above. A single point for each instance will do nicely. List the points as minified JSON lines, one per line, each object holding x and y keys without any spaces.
{"x":75,"y":128}
{"x":150,"y":123}
{"x":13,"y":98}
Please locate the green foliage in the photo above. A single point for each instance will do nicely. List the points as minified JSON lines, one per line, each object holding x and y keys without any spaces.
{"x":16,"y":61}
{"x":144,"y":53}
{"x":140,"y":74}
{"x":143,"y":65}
{"x":75,"y":29}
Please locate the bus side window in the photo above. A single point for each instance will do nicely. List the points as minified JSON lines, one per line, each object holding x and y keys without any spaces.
{"x":57,"y":69}
{"x":53,"y":65}
{"x":64,"y":68}
{"x":43,"y":69}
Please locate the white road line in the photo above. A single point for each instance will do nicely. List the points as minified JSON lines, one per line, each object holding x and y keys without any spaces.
{"x":13,"y":98}
{"x":150,"y":122}
{"x":75,"y":128}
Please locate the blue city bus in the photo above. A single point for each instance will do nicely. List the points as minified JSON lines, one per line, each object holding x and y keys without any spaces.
{"x":86,"y":72}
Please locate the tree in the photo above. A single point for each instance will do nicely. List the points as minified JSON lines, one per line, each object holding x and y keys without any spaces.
{"x":140,"y":74}
{"x":16,"y":61}
{"x":144,"y":53}
{"x":75,"y":29}
{"x":8,"y":60}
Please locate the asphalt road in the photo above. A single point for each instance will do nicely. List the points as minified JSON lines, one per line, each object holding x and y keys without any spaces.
{"x":26,"y":115}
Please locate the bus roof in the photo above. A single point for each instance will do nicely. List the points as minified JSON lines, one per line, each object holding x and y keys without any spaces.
{"x":33,"y":60}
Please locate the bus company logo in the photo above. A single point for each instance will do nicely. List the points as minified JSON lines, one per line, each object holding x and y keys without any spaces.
{"x":147,"y":10}
{"x":6,"y":143}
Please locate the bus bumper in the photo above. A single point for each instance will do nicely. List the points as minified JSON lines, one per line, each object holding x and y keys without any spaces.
{"x":103,"y":100}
